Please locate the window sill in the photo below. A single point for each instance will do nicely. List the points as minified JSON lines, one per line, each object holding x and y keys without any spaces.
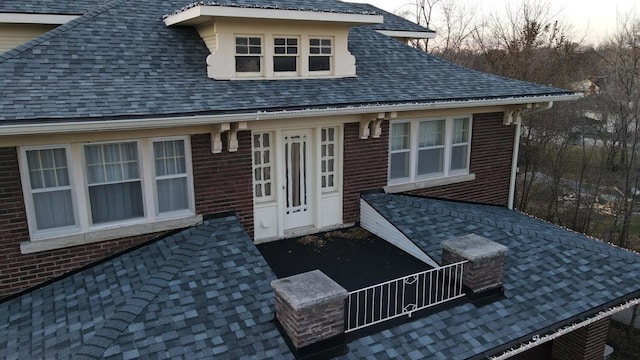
{"x":424,"y":184}
{"x":59,"y":242}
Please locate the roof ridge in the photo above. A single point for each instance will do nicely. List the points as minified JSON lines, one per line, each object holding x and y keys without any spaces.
{"x":591,"y":244}
{"x":114,"y":326}
{"x":59,"y":30}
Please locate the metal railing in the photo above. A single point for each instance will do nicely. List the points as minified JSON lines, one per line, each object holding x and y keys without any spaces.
{"x":403,"y":296}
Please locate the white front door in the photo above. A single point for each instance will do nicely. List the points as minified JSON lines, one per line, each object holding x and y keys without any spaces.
{"x":297,"y":179}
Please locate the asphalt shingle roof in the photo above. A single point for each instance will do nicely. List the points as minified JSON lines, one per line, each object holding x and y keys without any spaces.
{"x":74,"y":7}
{"x":121,"y":60}
{"x":552,"y":275}
{"x":204,"y":292}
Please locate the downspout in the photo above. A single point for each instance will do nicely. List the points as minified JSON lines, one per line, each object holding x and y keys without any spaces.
{"x":517,"y":120}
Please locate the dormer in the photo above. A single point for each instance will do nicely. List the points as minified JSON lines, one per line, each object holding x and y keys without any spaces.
{"x":18,"y":28}
{"x":274,"y":43}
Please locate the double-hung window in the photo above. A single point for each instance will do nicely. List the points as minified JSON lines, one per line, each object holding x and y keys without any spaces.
{"x":285,"y":55}
{"x":320,"y":54}
{"x":79,"y":188}
{"x":249,"y":55}
{"x":172,"y":179}
{"x":423,"y":149}
{"x":48,"y":190}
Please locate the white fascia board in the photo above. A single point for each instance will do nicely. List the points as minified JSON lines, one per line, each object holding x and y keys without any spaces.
{"x":45,"y":19}
{"x":156,"y":123}
{"x":191,"y":16}
{"x":408,"y":34}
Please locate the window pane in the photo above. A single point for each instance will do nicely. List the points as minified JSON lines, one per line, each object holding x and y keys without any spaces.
{"x":247,"y":64}
{"x":255,"y":41}
{"x":399,"y":165}
{"x":95,"y":174}
{"x":113,"y":202}
{"x":172,"y":194}
{"x":285,"y":63}
{"x":459,"y":157}
{"x":431,"y":133}
{"x":460,"y":131}
{"x":400,"y":136}
{"x":53,"y":209}
{"x":430,"y":161}
{"x":319,"y":63}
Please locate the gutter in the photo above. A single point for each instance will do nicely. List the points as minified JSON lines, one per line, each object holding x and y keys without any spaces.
{"x":167,"y":122}
{"x":516,"y":150}
{"x":539,"y":340}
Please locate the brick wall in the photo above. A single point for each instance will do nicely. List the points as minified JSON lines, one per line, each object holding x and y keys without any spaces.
{"x":586,"y":343}
{"x":18,"y":271}
{"x":365,"y":167}
{"x":491,"y":152}
{"x":222,"y":182}
{"x":366,"y":162}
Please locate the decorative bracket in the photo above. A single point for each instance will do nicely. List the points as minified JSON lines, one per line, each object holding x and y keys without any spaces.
{"x":374,"y":122}
{"x":216,"y":137}
{"x":233,"y":135}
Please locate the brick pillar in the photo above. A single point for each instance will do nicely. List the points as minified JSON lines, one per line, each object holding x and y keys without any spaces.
{"x":310,"y":308}
{"x":484,"y":271}
{"x":586,"y":343}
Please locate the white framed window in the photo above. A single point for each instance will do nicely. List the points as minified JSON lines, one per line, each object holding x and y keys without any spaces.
{"x":320,"y":55}
{"x":48,"y":191}
{"x":171,"y":175}
{"x":422,"y":149}
{"x":114,"y":182}
{"x":249,"y":55}
{"x":328,"y":145}
{"x":262,"y":166}
{"x":285,"y":55}
{"x":91,"y":187}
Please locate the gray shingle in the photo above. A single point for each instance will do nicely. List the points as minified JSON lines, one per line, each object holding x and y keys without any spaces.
{"x":121,"y":60}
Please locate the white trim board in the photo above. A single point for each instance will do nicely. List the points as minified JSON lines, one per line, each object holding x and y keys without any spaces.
{"x":46,"y":19}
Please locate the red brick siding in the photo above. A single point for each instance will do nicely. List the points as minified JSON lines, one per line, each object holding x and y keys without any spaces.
{"x":19,"y":271}
{"x":366,"y":161}
{"x":586,"y":343}
{"x":365,"y":167}
{"x":491,"y":152}
{"x":223,"y":182}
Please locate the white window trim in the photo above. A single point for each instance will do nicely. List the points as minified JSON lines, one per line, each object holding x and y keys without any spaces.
{"x":84,"y":232}
{"x":327,"y":173}
{"x":28,"y":193}
{"x":297,"y":56}
{"x":263,"y":50}
{"x":448,"y":176}
{"x":331,"y":56}
{"x":272,"y":165}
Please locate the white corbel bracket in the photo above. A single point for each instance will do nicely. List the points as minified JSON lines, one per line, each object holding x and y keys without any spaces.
{"x":232,"y":136}
{"x":216,"y":137}
{"x":373,"y":124}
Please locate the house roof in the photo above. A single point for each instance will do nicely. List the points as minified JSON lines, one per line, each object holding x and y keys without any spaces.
{"x":205,"y":292}
{"x":49,"y":6}
{"x":553,"y":277}
{"x":119,"y":60}
{"x":202,"y":293}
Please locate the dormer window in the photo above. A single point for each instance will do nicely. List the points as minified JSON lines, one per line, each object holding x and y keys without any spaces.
{"x":248,"y":55}
{"x":285,"y":55}
{"x":320,"y":54}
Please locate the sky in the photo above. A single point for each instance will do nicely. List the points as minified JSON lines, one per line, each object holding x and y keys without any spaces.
{"x":592,"y":19}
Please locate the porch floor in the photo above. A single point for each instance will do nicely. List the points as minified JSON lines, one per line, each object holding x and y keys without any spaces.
{"x":353,"y":257}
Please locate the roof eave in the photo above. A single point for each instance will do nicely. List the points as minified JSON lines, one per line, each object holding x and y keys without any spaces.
{"x":42,"y":19}
{"x":259,"y":115}
{"x":408,"y":34}
{"x":202,"y":13}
